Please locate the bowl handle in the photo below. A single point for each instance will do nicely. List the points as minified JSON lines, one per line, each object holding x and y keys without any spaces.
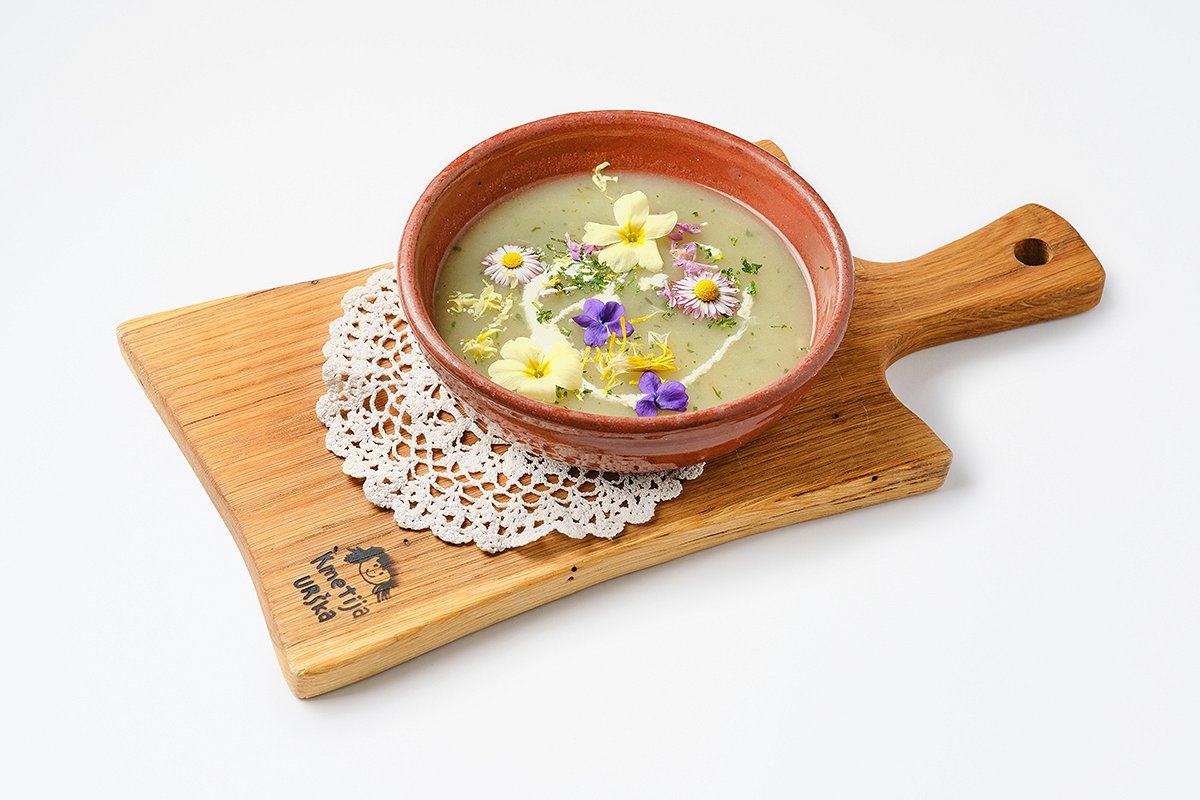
{"x":773,"y":149}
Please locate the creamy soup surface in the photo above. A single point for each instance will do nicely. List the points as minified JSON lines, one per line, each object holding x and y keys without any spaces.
{"x":727,"y":312}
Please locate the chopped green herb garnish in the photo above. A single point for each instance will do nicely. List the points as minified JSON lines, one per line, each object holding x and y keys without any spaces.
{"x":823,"y":267}
{"x":733,"y":241}
{"x":588,"y":274}
{"x":753,"y":290}
{"x":782,"y":326}
{"x":456,"y":249}
{"x":717,"y":392}
{"x":750,"y":267}
{"x":535,"y":229}
{"x":544,"y":315}
{"x":695,"y":213}
{"x":723,"y":322}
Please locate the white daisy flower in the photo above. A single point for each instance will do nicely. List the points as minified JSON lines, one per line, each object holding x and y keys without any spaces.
{"x":511,"y":265}
{"x":704,"y":295}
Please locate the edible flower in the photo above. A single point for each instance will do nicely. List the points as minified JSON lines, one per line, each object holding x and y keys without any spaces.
{"x":577,"y":251}
{"x":483,"y":346}
{"x":631,"y":242}
{"x":671,"y":395}
{"x":682,"y":229}
{"x":478,"y":305}
{"x":704,"y":295}
{"x":601,"y":180}
{"x":460,"y":302}
{"x":685,"y":258}
{"x":528,"y":369}
{"x":623,"y":356}
{"x":601,"y":320}
{"x":510,"y":265}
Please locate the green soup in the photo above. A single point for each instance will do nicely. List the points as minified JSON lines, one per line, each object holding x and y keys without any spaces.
{"x":728,"y":311}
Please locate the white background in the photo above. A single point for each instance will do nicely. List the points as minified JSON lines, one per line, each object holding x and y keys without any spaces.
{"x":1030,"y":630}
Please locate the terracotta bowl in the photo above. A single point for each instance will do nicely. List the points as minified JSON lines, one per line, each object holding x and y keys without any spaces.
{"x":634,"y":141}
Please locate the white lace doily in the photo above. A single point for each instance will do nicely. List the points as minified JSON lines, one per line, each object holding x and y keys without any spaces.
{"x":420,"y":456}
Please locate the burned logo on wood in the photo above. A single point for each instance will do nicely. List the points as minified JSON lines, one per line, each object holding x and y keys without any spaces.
{"x":331,"y":592}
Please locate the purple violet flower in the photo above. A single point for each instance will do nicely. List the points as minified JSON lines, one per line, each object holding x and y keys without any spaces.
{"x":682,"y":228}
{"x":670,"y":396}
{"x":577,"y":250}
{"x":600,"y":320}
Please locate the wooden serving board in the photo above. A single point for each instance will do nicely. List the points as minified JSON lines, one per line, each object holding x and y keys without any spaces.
{"x":236,"y":381}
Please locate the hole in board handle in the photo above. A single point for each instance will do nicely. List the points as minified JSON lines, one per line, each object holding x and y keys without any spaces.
{"x":1032,"y":252}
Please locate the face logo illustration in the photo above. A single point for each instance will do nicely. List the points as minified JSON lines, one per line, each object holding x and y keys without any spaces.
{"x":328,"y":594}
{"x":375,"y":567}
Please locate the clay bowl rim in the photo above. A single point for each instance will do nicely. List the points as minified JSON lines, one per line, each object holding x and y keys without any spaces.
{"x":826,"y":338}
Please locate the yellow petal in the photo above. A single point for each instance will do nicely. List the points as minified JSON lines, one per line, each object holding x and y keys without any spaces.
{"x":659,"y":225}
{"x":599,"y":235}
{"x":566,"y":366}
{"x":509,"y":374}
{"x":631,"y":210}
{"x":620,"y":257}
{"x":539,"y":389}
{"x":648,"y":257}
{"x":479,"y":350}
{"x":521,"y":350}
{"x":545,"y":337}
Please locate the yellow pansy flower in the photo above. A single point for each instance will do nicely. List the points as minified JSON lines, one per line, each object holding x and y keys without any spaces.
{"x":528,"y":369}
{"x":631,"y":242}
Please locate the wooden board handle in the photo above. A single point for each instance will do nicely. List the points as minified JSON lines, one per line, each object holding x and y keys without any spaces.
{"x":1028,"y":266}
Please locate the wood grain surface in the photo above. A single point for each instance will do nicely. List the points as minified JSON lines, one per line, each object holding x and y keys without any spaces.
{"x":236,"y":381}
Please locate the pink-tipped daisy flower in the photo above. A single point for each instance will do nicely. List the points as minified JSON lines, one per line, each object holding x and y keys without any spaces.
{"x":704,"y":295}
{"x":510,"y":265}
